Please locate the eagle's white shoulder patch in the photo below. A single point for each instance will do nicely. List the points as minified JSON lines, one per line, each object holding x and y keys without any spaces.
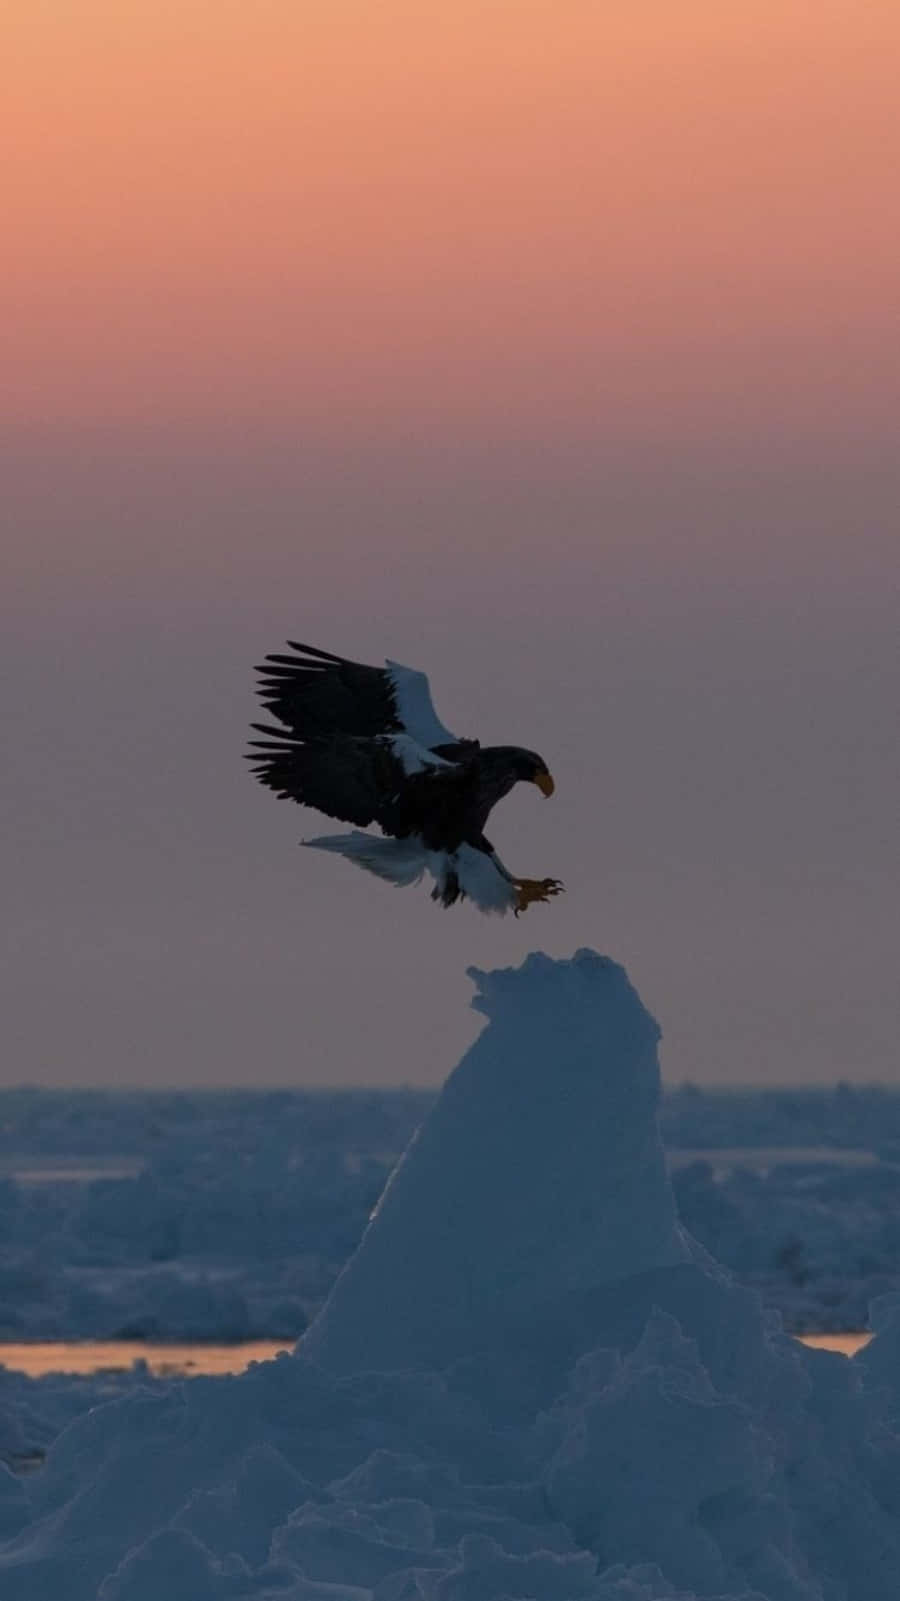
{"x":415,"y":709}
{"x":413,"y":757}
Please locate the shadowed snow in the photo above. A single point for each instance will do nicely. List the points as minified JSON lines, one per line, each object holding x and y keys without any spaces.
{"x":530,"y":1384}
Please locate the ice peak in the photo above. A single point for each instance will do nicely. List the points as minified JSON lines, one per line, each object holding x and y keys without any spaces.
{"x":587,"y":977}
{"x":538,"y":1175}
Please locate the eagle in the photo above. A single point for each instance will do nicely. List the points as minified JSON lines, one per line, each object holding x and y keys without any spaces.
{"x":365,"y":745}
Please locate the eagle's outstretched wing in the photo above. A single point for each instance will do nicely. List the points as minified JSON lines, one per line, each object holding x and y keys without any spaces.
{"x":359,"y":743}
{"x":365,"y":745}
{"x":351,"y":779}
{"x":317,"y":694}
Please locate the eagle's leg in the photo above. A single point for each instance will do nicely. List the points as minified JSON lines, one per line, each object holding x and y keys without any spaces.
{"x":535,"y":889}
{"x":449,"y":890}
{"x":527,"y":890}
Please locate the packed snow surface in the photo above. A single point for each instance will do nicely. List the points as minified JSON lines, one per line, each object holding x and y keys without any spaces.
{"x":560,"y":1399}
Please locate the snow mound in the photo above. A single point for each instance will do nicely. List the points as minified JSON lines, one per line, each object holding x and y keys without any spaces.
{"x":539,"y":1174}
{"x":528,"y":1385}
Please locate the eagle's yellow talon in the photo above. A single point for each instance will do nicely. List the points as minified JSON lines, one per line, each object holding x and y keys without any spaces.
{"x":535,"y":889}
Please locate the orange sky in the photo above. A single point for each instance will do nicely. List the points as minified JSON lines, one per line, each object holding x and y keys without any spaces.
{"x":366,"y":216}
{"x":548,"y":345}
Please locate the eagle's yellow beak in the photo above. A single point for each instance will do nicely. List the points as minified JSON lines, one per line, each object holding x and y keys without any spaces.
{"x":544,"y":783}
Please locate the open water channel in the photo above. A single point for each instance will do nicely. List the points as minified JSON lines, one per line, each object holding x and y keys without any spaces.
{"x":38,"y":1357}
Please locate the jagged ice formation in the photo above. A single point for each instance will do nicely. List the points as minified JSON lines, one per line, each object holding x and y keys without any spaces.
{"x":529,"y":1384}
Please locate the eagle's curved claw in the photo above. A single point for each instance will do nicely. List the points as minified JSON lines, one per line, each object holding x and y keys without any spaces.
{"x":530,"y":890}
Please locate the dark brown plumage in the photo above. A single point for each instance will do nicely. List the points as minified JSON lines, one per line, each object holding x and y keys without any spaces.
{"x":364,"y":745}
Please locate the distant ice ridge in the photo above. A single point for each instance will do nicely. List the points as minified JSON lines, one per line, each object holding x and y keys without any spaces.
{"x":528,"y":1385}
{"x":244,"y":1205}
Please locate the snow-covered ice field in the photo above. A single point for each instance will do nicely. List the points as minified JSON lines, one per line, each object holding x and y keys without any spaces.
{"x":529,"y":1383}
{"x":224,"y":1216}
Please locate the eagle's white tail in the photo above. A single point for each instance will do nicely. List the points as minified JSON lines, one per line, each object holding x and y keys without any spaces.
{"x":474,"y":873}
{"x":400,"y":861}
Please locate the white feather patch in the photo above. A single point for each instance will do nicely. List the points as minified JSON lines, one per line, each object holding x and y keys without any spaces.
{"x":415,"y":709}
{"x":412,"y":756}
{"x":404,"y":861}
{"x":483,"y":882}
{"x":399,"y":861}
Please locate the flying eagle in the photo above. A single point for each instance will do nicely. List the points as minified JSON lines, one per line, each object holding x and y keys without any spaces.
{"x":365,"y":745}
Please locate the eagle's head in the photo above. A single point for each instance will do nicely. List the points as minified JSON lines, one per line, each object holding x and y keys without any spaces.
{"x":534,"y":770}
{"x":512,"y":764}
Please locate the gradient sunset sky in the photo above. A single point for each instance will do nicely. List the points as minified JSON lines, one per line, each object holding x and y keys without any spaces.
{"x":554,"y":348}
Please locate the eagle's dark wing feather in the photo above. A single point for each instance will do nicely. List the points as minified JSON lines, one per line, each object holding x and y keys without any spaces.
{"x":359,"y":781}
{"x":362,"y":744}
{"x":317,"y":694}
{"x":352,"y":779}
